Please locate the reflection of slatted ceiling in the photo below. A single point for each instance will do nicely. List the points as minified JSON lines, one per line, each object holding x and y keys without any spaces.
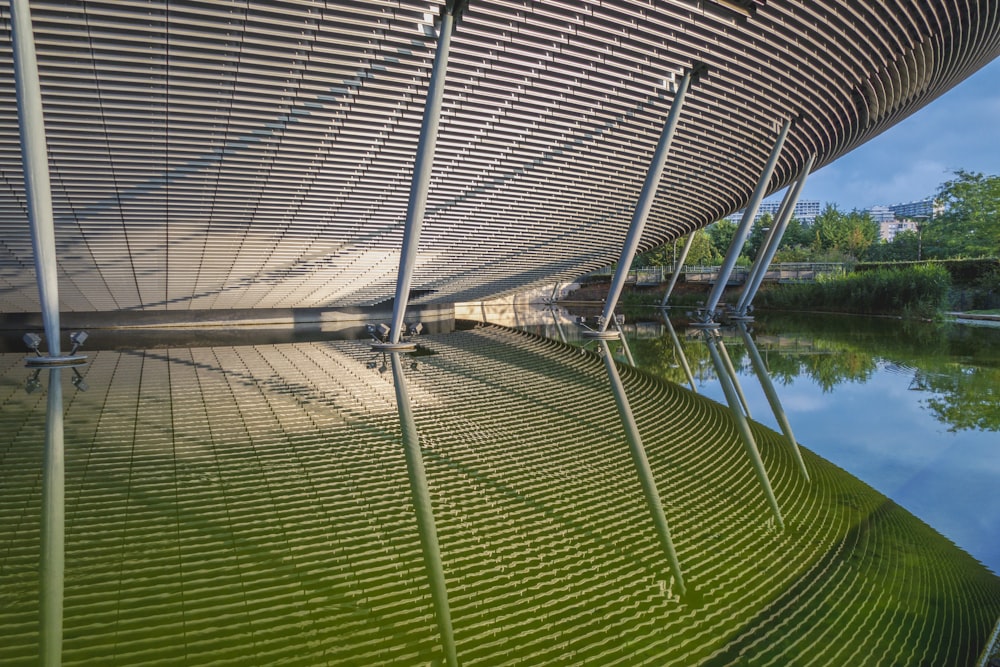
{"x":258,"y":154}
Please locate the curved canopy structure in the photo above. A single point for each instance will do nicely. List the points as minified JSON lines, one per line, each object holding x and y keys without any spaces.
{"x":244,"y":154}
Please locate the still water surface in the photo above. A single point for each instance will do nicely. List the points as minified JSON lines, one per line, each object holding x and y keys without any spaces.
{"x":912,"y":408}
{"x":495,"y":498}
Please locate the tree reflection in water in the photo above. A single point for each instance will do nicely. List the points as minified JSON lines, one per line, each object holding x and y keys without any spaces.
{"x":957,"y":366}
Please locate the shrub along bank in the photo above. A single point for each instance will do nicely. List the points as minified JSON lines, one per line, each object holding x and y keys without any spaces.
{"x":911,"y":291}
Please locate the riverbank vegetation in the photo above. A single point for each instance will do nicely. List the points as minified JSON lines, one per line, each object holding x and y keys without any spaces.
{"x":912,"y":291}
{"x":948,"y":262}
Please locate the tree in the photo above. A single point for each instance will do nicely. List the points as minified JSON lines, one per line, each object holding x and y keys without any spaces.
{"x":970,"y":224}
{"x":904,"y":247}
{"x":796,"y":234}
{"x":757,"y":235}
{"x":701,"y":252}
{"x":850,"y":233}
{"x":721,"y":234}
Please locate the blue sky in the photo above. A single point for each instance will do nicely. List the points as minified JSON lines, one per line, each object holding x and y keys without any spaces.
{"x":959,"y":130}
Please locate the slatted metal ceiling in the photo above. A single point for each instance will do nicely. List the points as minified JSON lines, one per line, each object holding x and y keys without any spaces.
{"x":258,"y":154}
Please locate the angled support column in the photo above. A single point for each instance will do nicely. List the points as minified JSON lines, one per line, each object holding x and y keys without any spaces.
{"x":52,"y":560}
{"x":749,"y":444}
{"x":678,"y":265}
{"x":770,"y":247}
{"x":644,"y":205}
{"x":642,"y":466}
{"x":772,"y":396}
{"x":425,"y":513}
{"x":35,"y":161}
{"x":708,"y":312}
{"x":757,"y":266}
{"x":422,"y":166}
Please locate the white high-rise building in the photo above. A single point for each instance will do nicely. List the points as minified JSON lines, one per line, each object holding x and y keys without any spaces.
{"x":805,"y":211}
{"x":881,"y":214}
{"x":925,"y":208}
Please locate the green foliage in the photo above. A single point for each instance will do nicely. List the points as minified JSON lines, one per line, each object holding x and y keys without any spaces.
{"x":796,"y":234}
{"x":904,"y":247}
{"x":850,"y":233}
{"x":970,"y":224}
{"x":721,"y":234}
{"x":962,"y":271}
{"x":758,"y":233}
{"x":701,"y":252}
{"x":917,"y":291}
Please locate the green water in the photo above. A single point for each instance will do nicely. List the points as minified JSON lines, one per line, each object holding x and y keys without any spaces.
{"x":252,"y":504}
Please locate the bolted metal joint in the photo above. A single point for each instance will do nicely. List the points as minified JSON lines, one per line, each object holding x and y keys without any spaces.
{"x":33,"y":340}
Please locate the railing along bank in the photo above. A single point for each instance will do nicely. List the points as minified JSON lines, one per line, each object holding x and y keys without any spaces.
{"x":787,"y":272}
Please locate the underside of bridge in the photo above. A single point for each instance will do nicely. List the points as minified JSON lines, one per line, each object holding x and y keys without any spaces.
{"x":261,"y":155}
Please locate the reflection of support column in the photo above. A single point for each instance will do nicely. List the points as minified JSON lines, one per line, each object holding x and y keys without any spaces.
{"x":744,"y":428}
{"x":680,"y":351}
{"x":559,"y":329}
{"x":425,"y":514}
{"x":53,"y":527}
{"x":624,"y":342}
{"x":731,"y":372}
{"x":770,"y":247}
{"x":678,"y":265}
{"x":642,"y":466}
{"x":422,"y":166}
{"x":34,"y":157}
{"x":741,"y":233}
{"x":645,"y":202}
{"x":772,"y":396}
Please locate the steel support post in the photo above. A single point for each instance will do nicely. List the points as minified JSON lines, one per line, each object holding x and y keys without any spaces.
{"x":749,"y":444}
{"x":420,"y":184}
{"x":757,"y":266}
{"x":770,"y":248}
{"x":52,"y":561}
{"x":741,"y":232}
{"x":678,"y":265}
{"x":35,"y":161}
{"x":425,"y":514}
{"x":772,"y":396}
{"x":645,"y":202}
{"x":642,"y":466}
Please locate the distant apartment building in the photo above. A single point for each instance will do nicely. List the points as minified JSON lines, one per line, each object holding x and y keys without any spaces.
{"x":805,"y":211}
{"x":923,"y":209}
{"x":888,"y":224}
{"x":887,"y":230}
{"x":881,"y":214}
